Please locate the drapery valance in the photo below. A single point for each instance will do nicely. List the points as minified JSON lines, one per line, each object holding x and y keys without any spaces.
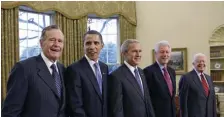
{"x":78,"y":9}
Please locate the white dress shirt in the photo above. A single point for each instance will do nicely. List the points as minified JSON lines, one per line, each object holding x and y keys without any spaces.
{"x":132,"y":69}
{"x":91,"y":63}
{"x":49,"y":63}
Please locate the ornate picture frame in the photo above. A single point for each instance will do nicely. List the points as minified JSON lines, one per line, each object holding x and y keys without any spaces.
{"x":178,"y":60}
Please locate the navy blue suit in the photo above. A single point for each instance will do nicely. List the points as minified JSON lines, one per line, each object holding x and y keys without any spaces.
{"x":163,"y":103}
{"x":83,"y":92}
{"x":31,"y":91}
{"x":193,"y":100}
{"x":125,"y":96}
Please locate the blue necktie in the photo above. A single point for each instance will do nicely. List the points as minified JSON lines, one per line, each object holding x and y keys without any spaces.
{"x":98,"y":76}
{"x":57,"y":79}
{"x":137,"y":77}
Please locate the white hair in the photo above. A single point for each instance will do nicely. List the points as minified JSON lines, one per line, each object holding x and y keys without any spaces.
{"x":161,"y":43}
{"x":198,"y":55}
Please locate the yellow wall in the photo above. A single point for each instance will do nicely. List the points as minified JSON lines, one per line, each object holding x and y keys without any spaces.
{"x":183,"y":24}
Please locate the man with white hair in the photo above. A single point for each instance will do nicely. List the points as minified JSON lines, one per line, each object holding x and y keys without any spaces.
{"x":161,"y":80}
{"x":197,"y":96}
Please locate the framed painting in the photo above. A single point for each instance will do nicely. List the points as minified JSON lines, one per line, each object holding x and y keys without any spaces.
{"x":178,"y":60}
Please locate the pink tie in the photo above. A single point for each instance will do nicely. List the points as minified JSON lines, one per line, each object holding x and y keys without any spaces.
{"x":168,"y":81}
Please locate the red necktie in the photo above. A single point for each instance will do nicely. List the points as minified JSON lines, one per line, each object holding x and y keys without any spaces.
{"x":204,"y":84}
{"x":168,"y":81}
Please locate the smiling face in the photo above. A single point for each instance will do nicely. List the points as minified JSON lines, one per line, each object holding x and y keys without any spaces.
{"x":199,"y":63}
{"x":92,"y":46}
{"x":133,"y":54}
{"x":52,"y":44}
{"x":163,"y":54}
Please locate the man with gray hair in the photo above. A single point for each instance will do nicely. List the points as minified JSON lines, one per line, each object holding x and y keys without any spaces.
{"x":36,"y":85}
{"x":128,"y":92}
{"x":197,"y":96}
{"x":161,"y":80}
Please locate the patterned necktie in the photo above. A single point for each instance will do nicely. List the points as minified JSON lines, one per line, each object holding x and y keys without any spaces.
{"x":168,"y":81}
{"x":98,"y":76}
{"x":204,"y":84}
{"x":57,"y":79}
{"x":137,"y":77}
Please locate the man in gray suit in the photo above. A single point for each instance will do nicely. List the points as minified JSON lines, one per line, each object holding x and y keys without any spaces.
{"x":197,"y":96}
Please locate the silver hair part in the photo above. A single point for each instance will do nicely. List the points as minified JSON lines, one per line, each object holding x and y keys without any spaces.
{"x":196,"y":56}
{"x":126,"y":43}
{"x":161,"y":43}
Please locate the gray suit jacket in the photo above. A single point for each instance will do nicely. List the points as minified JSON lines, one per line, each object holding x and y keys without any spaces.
{"x":193,"y":101}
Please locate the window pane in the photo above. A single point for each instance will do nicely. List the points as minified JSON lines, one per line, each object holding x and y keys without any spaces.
{"x":30,"y":27}
{"x":108,"y":28}
{"x":113,"y":67}
{"x":33,"y":21}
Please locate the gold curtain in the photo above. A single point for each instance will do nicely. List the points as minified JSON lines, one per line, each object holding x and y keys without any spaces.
{"x":127,"y":31}
{"x":79,"y":9}
{"x":73,"y":31}
{"x":9,"y":44}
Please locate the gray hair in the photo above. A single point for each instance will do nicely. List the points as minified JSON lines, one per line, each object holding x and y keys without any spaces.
{"x":198,"y":55}
{"x":162,"y":43}
{"x":51,"y":27}
{"x":126,"y":43}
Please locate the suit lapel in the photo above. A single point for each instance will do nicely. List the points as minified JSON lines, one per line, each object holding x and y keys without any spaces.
{"x":45,"y":75}
{"x":172,"y":79}
{"x":132,"y":80}
{"x":91,"y":76}
{"x":61,"y":70}
{"x":104,"y":76}
{"x":161,"y":78}
{"x":145,"y":87}
{"x":197,"y":81}
{"x":209,"y":84}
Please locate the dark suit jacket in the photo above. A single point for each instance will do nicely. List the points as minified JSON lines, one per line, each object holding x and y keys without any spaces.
{"x":84,"y":97}
{"x":193,"y":101}
{"x":125,"y":96}
{"x":31,"y":91}
{"x":163,"y":103}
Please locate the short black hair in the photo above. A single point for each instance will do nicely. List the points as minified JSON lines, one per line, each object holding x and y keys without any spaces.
{"x":93,"y":32}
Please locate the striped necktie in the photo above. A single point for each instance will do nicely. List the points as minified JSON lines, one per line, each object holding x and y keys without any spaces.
{"x":57,"y":79}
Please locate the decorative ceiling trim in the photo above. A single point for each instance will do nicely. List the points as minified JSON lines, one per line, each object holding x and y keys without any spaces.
{"x":78,"y":9}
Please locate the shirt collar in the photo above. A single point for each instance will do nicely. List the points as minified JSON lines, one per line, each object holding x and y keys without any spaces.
{"x":47,"y":61}
{"x":130,"y":67}
{"x":160,"y":66}
{"x":91,"y":62}
{"x":198,"y":73}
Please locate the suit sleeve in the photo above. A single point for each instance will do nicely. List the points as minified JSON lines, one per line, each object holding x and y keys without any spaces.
{"x":17,"y":88}
{"x":214,"y":101}
{"x":174,"y":75}
{"x":183,"y":96}
{"x":115,"y":97}
{"x":214,"y":106}
{"x":74,"y":93}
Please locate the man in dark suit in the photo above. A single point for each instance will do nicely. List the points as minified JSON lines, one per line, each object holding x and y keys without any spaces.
{"x":161,"y":80}
{"x":87,"y":80}
{"x":197,"y":96}
{"x":35,"y":88}
{"x":128,"y":92}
